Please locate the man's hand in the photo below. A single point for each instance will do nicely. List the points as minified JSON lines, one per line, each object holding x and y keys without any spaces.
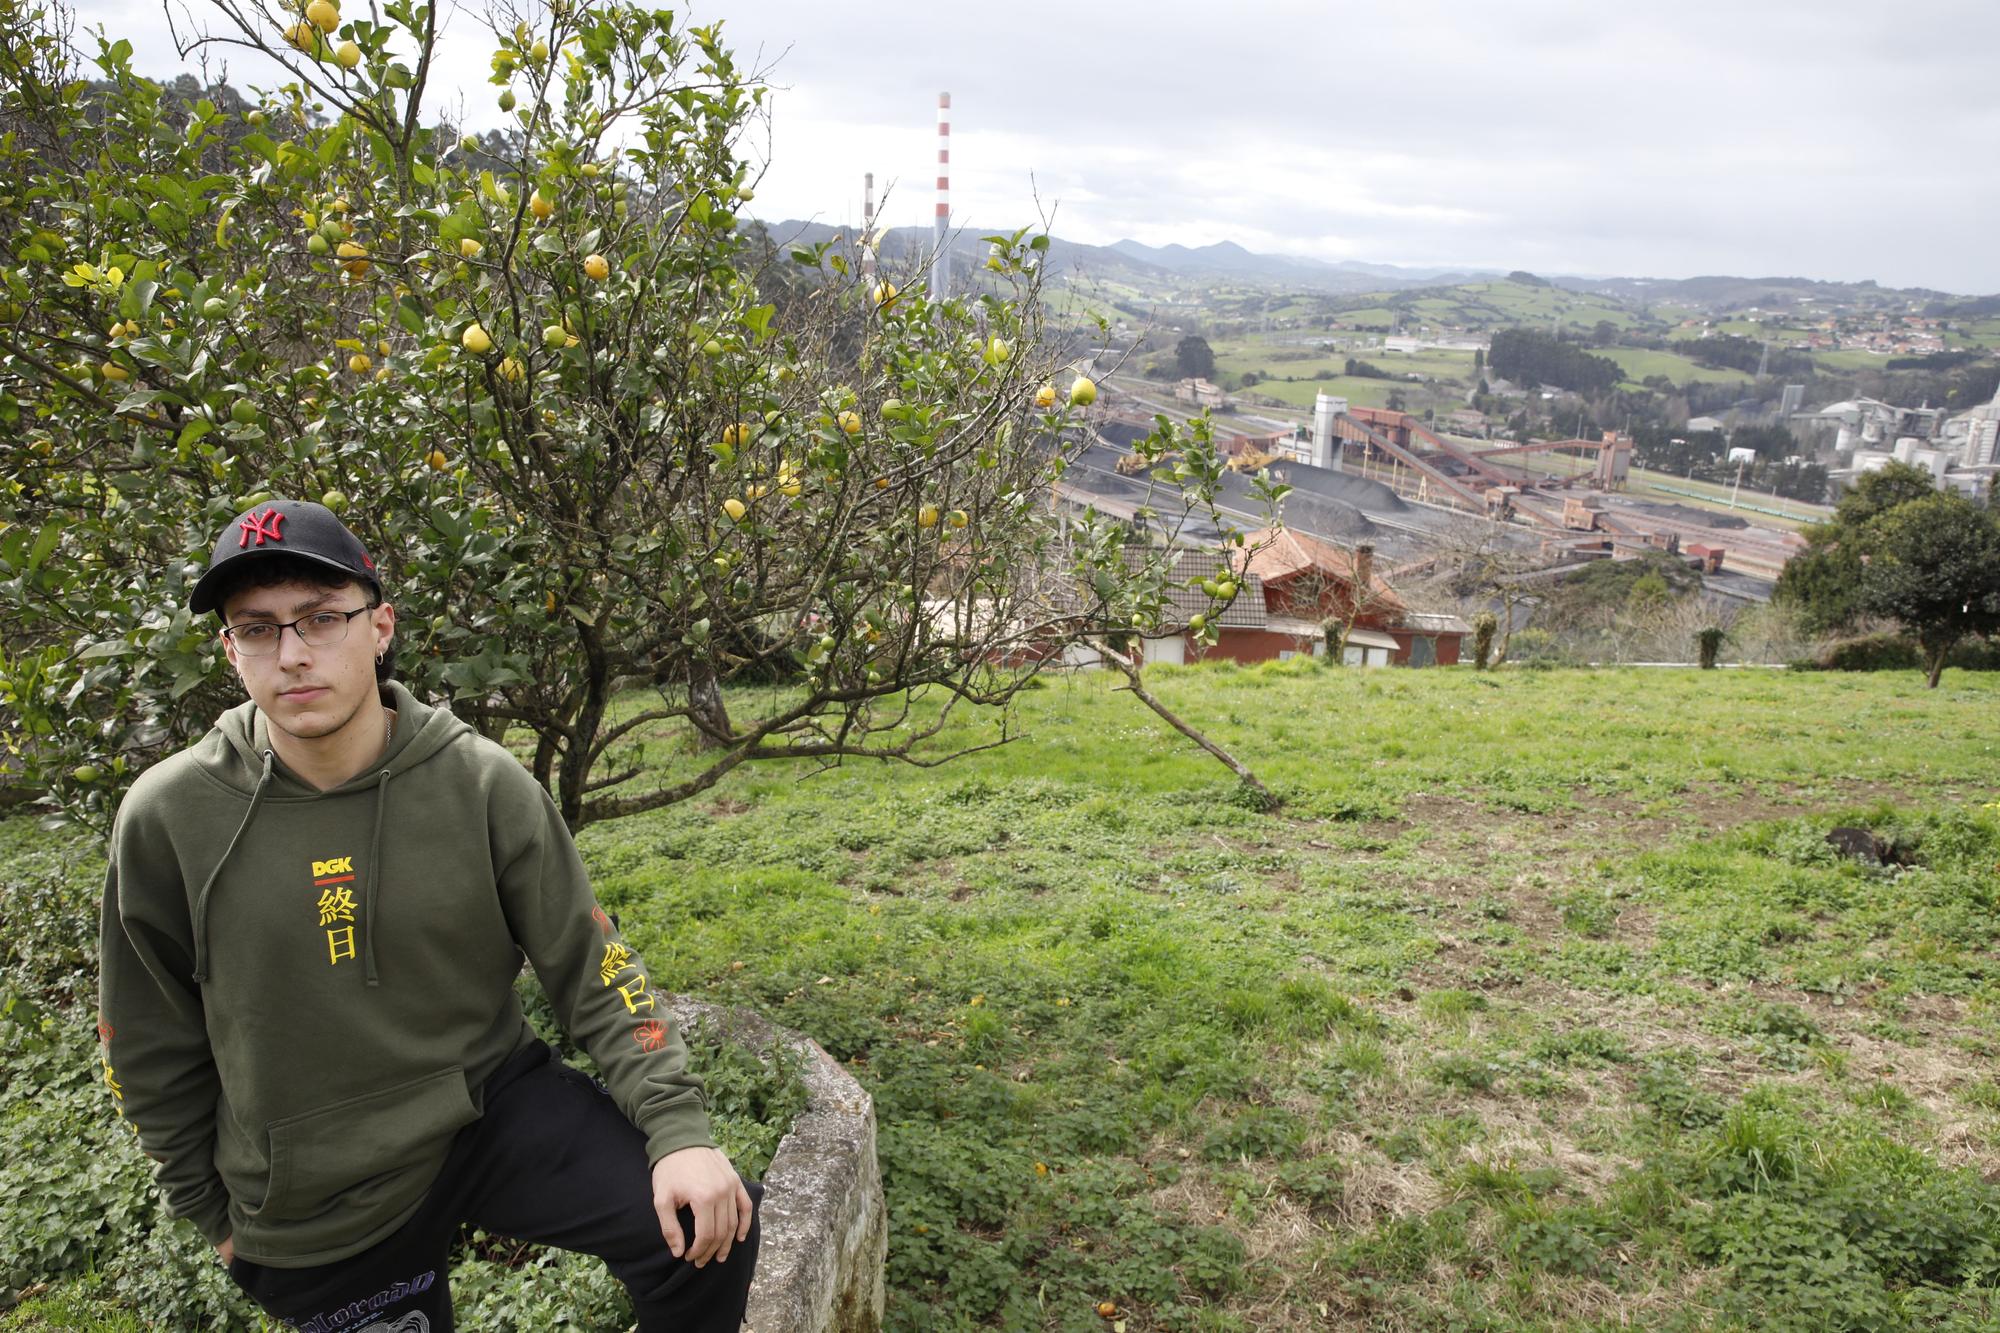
{"x":227,"y":1249}
{"x":703,"y":1181}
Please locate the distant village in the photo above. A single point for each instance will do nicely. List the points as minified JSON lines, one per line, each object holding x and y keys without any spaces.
{"x":1381,"y":498}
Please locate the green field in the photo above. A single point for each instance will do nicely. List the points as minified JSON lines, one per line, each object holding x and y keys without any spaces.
{"x":1491,"y":305}
{"x":1540,"y":1004}
{"x":1359,"y":392}
{"x":1266,"y":357}
{"x":1640,"y":362}
{"x":1850,"y":360}
{"x":1976,"y":333}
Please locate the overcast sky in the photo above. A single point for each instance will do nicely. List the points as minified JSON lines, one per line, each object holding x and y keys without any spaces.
{"x":1840,"y":139}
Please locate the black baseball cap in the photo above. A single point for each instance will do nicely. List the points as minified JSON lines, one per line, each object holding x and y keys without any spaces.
{"x":298,"y":528}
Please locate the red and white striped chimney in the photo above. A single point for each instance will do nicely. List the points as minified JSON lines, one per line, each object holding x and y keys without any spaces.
{"x":868,"y":228}
{"x":940,"y":270}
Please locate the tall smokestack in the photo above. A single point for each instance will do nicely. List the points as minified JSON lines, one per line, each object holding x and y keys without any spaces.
{"x":940,"y":270}
{"x":868,"y":228}
{"x":1326,"y":444}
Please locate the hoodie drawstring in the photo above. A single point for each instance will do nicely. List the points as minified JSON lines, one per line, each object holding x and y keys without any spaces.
{"x":374,"y":879}
{"x":201,"y":899}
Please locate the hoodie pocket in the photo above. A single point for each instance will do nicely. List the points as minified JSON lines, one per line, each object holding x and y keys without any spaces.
{"x":369,"y":1147}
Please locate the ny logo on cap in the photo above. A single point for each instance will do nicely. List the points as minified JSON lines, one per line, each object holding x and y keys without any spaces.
{"x":260,"y":526}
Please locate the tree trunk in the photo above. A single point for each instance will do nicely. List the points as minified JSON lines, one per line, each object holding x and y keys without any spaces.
{"x":711,"y":715}
{"x":1131,"y":670}
{"x":1506,"y":629}
{"x":1934,"y":664}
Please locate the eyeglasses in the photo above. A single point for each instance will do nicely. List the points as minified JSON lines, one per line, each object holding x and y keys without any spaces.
{"x":321,"y":629}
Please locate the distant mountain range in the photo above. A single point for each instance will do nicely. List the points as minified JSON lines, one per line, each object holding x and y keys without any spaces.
{"x":1169,"y":266}
{"x":1228,"y":259}
{"x":1157,"y":265}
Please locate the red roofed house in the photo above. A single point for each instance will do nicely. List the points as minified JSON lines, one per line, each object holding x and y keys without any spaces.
{"x":1306,"y":583}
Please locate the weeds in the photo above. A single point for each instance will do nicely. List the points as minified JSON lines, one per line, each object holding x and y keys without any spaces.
{"x":1453,"y":1039}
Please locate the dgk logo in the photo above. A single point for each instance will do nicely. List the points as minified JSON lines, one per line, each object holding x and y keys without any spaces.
{"x":339,"y":865}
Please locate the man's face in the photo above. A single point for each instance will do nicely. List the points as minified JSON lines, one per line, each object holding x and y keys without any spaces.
{"x":309,"y":691}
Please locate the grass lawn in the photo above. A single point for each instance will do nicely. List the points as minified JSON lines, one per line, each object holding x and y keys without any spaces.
{"x":1540,"y":1004}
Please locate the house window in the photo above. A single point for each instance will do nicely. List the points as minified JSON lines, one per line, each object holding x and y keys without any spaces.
{"x":1423,"y":652}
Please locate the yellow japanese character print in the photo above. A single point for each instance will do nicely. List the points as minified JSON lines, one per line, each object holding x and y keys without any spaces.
{"x":616,"y":959}
{"x":634,"y":993}
{"x":333,"y":877}
{"x":117,"y":1089}
{"x":336,"y":905}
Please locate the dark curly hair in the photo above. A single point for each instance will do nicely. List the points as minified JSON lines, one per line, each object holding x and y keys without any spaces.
{"x":271,"y":570}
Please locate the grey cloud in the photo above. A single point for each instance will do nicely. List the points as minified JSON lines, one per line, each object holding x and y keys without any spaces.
{"x":1834,"y":138}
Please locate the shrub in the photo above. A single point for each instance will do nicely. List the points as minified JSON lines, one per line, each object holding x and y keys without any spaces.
{"x":1873,"y":652}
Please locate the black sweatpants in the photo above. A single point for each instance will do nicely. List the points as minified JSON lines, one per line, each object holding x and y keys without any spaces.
{"x":551,"y":1160}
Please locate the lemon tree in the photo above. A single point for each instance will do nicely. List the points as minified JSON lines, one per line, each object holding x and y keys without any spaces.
{"x":599,"y":433}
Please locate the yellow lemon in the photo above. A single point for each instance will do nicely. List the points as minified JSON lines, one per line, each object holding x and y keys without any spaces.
{"x":475,"y":340}
{"x":596,"y":268}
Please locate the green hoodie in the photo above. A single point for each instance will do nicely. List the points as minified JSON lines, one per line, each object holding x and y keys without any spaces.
{"x":304,"y":992}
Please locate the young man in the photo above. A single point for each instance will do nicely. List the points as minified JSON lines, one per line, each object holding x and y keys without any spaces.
{"x":313,"y":919}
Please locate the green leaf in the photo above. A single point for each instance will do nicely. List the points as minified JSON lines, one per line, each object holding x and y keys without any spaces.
{"x":45,"y":543}
{"x":262,"y":146}
{"x":136,"y":298}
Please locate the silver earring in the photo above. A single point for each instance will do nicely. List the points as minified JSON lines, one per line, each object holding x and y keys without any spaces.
{"x":379,"y":656}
